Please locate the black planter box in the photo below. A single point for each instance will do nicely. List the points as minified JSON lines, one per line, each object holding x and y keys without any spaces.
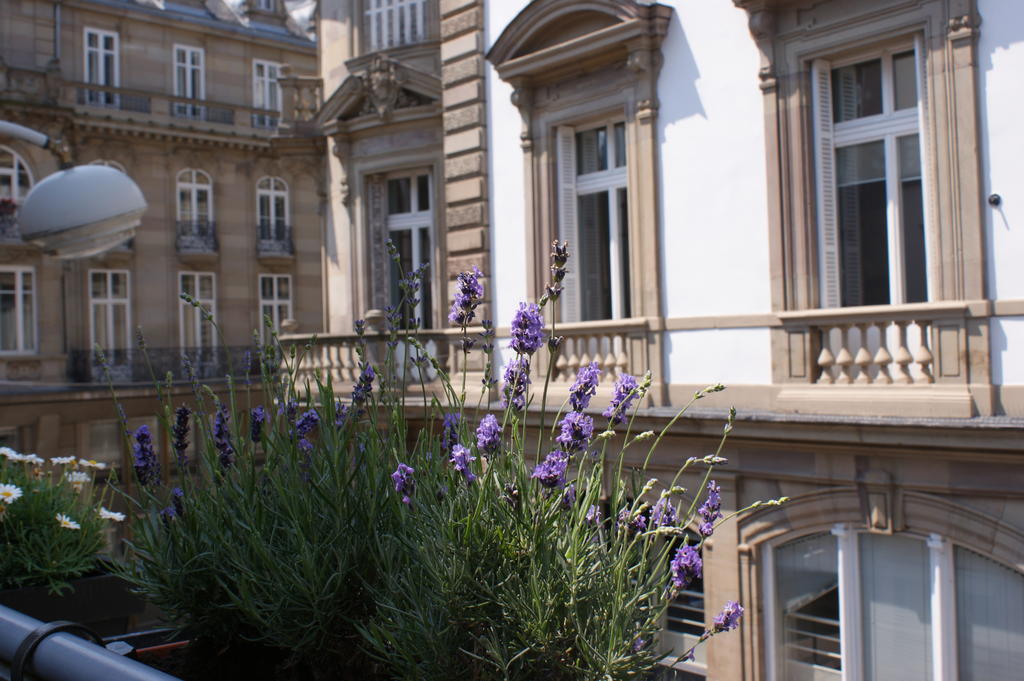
{"x":101,"y":602}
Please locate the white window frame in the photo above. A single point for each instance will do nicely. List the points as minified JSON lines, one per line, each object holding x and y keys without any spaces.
{"x":101,"y":76}
{"x":275,"y":303}
{"x":110,"y":302}
{"x":571,"y":186}
{"x":272,"y":193}
{"x":108,"y":163}
{"x":186,"y":309}
{"x":887,"y":127}
{"x":393,"y":23}
{"x":189,"y":79}
{"x":13,"y":171}
{"x":942,"y":577}
{"x":21,"y":348}
{"x":265,"y":5}
{"x":264,"y":89}
{"x":415,"y":221}
{"x":193,"y":184}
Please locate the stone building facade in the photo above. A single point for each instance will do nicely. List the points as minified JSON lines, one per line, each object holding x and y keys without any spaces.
{"x":187,"y":99}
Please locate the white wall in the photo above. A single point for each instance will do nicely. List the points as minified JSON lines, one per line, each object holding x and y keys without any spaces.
{"x":714,"y":191}
{"x":729,"y":356}
{"x":1000,"y":65}
{"x":506,"y":178}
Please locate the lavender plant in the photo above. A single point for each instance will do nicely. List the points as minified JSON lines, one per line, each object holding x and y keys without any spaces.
{"x":363,"y":534}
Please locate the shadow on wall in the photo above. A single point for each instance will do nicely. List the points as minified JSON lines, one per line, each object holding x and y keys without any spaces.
{"x":677,"y":86}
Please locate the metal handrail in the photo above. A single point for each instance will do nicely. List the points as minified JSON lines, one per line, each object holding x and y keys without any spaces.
{"x":65,"y":657}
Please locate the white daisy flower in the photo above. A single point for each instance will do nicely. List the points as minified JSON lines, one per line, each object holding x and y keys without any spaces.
{"x":111,"y":515}
{"x":8,"y":452}
{"x":91,"y":463}
{"x":9,"y":493}
{"x":67,"y":523}
{"x":35,"y":459}
{"x":63,"y":460}
{"x":77,"y":477}
{"x":15,"y":456}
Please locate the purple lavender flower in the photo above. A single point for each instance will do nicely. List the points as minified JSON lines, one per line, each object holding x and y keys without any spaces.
{"x":289,"y":410}
{"x":404,"y":483}
{"x":257,"y":417}
{"x":710,"y":510}
{"x":460,"y":460}
{"x":635,"y":525}
{"x":340,"y":414}
{"x":178,"y":501}
{"x":449,"y":432}
{"x":487,"y":335}
{"x":638,"y":644}
{"x":179,"y":431}
{"x":593,"y":516}
{"x":686,"y":566}
{"x":551,"y":472}
{"x":577,"y":429}
{"x":488,"y":435}
{"x":222,"y":437}
{"x":625,"y":393}
{"x":584,"y":387}
{"x":362,"y":389}
{"x":729,"y":618}
{"x":569,"y":496}
{"x":527,"y":334}
{"x":663,"y":514}
{"x":147,"y":468}
{"x":517,"y":377}
{"x":468,"y":293}
{"x":167,"y":515}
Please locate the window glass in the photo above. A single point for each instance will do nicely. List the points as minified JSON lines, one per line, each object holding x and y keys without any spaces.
{"x":594,"y":256}
{"x":8,"y":312}
{"x":423,"y":192}
{"x":623,"y":208}
{"x":904,"y":72}
{"x":912,"y":222}
{"x":863,"y":226}
{"x":857,"y":90}
{"x":591,"y":151}
{"x":895,"y":608}
{"x":399,"y":196}
{"x":807,"y":593}
{"x":990,"y":618}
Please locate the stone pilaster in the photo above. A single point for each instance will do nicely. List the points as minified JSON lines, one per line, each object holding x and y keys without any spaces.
{"x":465,"y":137}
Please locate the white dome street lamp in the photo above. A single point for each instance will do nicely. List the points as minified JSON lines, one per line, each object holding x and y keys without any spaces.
{"x":78,"y":211}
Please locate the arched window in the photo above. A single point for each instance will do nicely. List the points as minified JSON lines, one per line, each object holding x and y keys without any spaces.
{"x":195,"y":198}
{"x":110,"y":164}
{"x":15,"y":176}
{"x":853,"y":604}
{"x":272,"y":208}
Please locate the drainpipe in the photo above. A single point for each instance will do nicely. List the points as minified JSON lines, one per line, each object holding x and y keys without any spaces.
{"x":56,"y":29}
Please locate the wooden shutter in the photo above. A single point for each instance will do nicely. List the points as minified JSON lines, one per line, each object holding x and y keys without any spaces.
{"x":568,"y":228}
{"x":825,"y":181}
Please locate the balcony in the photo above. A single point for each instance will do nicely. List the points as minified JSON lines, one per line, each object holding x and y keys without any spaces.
{"x":158,"y":108}
{"x":275,"y":241}
{"x":911,"y":360}
{"x":136,"y":366}
{"x":9,"y":232}
{"x":196,"y":237}
{"x":395,"y":23}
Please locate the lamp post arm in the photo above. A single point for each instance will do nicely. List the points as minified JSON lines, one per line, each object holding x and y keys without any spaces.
{"x":20,"y":132}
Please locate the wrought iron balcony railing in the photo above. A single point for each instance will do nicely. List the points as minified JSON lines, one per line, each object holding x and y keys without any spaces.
{"x":112,"y":98}
{"x":197,"y":236}
{"x":275,"y":239}
{"x":138,"y":366}
{"x":196,"y":111}
{"x":9,"y":231}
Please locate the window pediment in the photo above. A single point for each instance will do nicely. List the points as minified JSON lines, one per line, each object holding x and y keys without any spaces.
{"x":551,"y":36}
{"x":380,"y":86}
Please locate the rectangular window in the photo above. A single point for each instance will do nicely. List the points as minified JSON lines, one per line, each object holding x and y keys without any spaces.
{"x":265,"y":5}
{"x":410,"y":222}
{"x":110,"y":313}
{"x":392,"y":23}
{"x":870,"y":190}
{"x":101,"y":67}
{"x":266,"y":92}
{"x":594,"y":216}
{"x":275,"y":302}
{"x":197,"y":332}
{"x":189,"y":80}
{"x":17,"y":309}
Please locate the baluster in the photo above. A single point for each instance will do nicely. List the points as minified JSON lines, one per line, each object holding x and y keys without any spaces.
{"x":826,"y":360}
{"x":621,"y":358}
{"x":609,"y":359}
{"x":844,"y":360}
{"x":923,"y":355}
{"x":882,"y":358}
{"x":903,"y":356}
{"x":863,"y":357}
{"x":574,"y":357}
{"x":561,"y":363}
